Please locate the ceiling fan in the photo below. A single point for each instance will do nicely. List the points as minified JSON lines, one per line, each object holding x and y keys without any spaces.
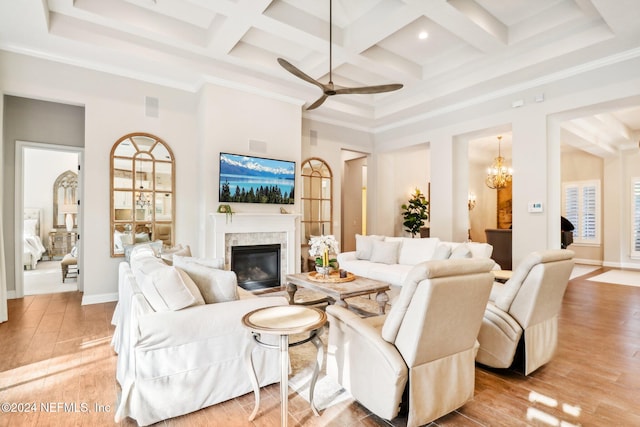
{"x":330,"y":89}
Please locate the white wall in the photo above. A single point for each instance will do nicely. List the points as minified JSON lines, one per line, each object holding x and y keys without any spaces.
{"x":114,"y":106}
{"x":329,"y":142}
{"x":396,"y":176}
{"x":535,"y":153}
{"x":41,"y":168}
{"x":229,"y":119}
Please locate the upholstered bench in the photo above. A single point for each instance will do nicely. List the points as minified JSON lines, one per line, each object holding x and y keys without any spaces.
{"x":69,"y":262}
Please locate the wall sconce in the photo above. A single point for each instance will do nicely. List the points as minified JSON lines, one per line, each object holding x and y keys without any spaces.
{"x":471,"y":201}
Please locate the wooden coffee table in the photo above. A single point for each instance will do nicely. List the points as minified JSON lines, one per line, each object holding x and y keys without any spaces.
{"x":336,"y":293}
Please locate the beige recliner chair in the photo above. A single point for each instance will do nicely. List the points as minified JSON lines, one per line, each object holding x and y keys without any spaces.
{"x":426,"y":344}
{"x":526,"y":305}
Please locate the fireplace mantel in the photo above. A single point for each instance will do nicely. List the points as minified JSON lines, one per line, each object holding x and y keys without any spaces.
{"x":243,"y":222}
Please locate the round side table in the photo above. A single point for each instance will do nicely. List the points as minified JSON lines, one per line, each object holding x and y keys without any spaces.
{"x":284,"y":321}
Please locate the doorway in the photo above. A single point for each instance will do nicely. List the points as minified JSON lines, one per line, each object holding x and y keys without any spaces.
{"x":48,"y":218}
{"x":354,"y":199}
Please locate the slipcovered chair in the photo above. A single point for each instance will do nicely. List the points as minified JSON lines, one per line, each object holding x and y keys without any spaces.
{"x":426,"y":344}
{"x":525,"y":308}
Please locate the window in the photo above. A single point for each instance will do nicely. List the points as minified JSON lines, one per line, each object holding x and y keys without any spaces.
{"x":635,"y":218}
{"x":581,"y":206}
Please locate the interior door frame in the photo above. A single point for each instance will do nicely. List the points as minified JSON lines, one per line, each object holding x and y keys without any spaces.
{"x":19,"y":208}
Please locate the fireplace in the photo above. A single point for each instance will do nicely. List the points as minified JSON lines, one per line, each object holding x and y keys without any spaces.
{"x":256,"y":266}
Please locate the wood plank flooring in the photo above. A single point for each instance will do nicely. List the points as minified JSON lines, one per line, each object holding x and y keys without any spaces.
{"x":55,"y":352}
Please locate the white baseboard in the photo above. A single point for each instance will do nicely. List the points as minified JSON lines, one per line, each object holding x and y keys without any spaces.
{"x":625,"y":265}
{"x":100,"y":298}
{"x":11,"y":294}
{"x":588,"y":262}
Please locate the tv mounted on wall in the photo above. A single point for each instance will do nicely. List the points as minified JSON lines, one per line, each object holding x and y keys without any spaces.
{"x":248,"y":179}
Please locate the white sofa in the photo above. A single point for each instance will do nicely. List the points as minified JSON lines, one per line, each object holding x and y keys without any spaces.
{"x":389,"y":259}
{"x":173,"y":360}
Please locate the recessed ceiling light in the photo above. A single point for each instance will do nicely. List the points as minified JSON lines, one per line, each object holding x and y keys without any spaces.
{"x":423,"y":35}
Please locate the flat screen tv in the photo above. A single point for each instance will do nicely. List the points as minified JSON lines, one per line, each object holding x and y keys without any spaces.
{"x":248,"y":179}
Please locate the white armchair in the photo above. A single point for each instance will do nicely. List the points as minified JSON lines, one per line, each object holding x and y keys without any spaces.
{"x":527,"y":304}
{"x":426,"y":344}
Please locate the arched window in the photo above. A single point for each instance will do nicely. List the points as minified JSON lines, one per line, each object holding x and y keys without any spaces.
{"x":317,"y":195}
{"x":142,"y":192}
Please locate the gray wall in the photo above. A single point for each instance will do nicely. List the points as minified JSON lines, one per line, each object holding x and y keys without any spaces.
{"x":34,"y":121}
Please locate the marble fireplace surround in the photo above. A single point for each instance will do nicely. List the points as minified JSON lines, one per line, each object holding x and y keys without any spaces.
{"x":257,"y":229}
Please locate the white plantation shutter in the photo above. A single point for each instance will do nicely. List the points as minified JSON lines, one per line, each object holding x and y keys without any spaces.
{"x":581,"y":206}
{"x":636,"y":217}
{"x":589,"y":214}
{"x":571,"y":207}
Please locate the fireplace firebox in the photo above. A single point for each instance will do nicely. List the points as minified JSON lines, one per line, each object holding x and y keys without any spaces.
{"x":256,"y":266}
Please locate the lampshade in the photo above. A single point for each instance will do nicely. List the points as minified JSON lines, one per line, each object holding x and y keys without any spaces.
{"x":70,"y":208}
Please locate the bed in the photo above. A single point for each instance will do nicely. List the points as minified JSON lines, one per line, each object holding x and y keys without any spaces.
{"x":33,"y":249}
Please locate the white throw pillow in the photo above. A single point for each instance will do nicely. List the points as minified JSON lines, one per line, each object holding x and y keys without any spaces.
{"x":442,"y":252}
{"x":461,"y":251}
{"x":180,"y":261}
{"x":413,"y":251}
{"x":170,"y":289}
{"x":364,"y":245}
{"x":215,"y":285}
{"x":385,"y":252}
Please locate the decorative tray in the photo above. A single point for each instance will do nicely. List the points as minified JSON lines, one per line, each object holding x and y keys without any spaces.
{"x":333,"y":277}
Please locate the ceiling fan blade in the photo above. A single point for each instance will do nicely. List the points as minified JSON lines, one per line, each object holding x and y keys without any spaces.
{"x":369,"y":89}
{"x":318,"y":102}
{"x":296,"y":72}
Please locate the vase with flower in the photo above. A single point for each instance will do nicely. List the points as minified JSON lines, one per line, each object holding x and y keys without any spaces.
{"x":324,"y":249}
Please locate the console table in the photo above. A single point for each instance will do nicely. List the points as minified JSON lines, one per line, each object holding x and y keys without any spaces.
{"x":283,"y":321}
{"x":61,"y":242}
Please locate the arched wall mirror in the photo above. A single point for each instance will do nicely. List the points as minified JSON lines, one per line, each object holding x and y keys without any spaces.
{"x":142,"y":192}
{"x":317,"y":198}
{"x":65,"y":199}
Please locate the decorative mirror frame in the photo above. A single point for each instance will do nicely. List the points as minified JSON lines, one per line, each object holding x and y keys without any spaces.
{"x":141,"y":204}
{"x":68,"y":183}
{"x":311,"y":173}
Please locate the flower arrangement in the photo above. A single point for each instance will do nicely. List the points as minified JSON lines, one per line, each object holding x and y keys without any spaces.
{"x":321,"y":248}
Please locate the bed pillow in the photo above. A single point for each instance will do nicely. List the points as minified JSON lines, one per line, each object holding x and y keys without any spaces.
{"x":385,"y":252}
{"x":364,"y":245}
{"x":170,"y":289}
{"x":460,"y":251}
{"x":30,"y":226}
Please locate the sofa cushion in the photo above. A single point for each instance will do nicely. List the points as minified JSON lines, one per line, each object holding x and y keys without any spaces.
{"x":385,"y":252}
{"x":170,"y":289}
{"x":414,"y":251}
{"x":214,"y":284}
{"x":364,"y":245}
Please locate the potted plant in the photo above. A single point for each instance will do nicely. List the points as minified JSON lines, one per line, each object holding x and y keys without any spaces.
{"x":415,"y":212}
{"x":322,"y":248}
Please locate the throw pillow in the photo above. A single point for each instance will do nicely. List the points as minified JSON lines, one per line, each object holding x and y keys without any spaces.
{"x":170,"y":289}
{"x":442,"y":252}
{"x":215,"y":285}
{"x":461,"y":251}
{"x":180,"y":261}
{"x":364,"y":245}
{"x":385,"y":252}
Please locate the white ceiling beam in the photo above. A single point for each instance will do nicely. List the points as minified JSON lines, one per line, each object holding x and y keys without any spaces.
{"x":614,"y":126}
{"x":620,"y":15}
{"x":456,"y":22}
{"x":575,"y":136}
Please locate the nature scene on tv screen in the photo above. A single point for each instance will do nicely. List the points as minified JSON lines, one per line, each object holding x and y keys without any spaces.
{"x":247,"y":179}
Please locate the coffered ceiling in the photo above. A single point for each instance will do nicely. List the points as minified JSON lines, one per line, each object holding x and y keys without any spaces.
{"x":475,"y":49}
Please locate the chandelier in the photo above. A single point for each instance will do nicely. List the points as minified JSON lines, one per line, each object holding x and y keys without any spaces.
{"x":498,"y":174}
{"x":142,"y":201}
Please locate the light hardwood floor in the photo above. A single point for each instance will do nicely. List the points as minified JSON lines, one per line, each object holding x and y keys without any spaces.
{"x":53,"y":351}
